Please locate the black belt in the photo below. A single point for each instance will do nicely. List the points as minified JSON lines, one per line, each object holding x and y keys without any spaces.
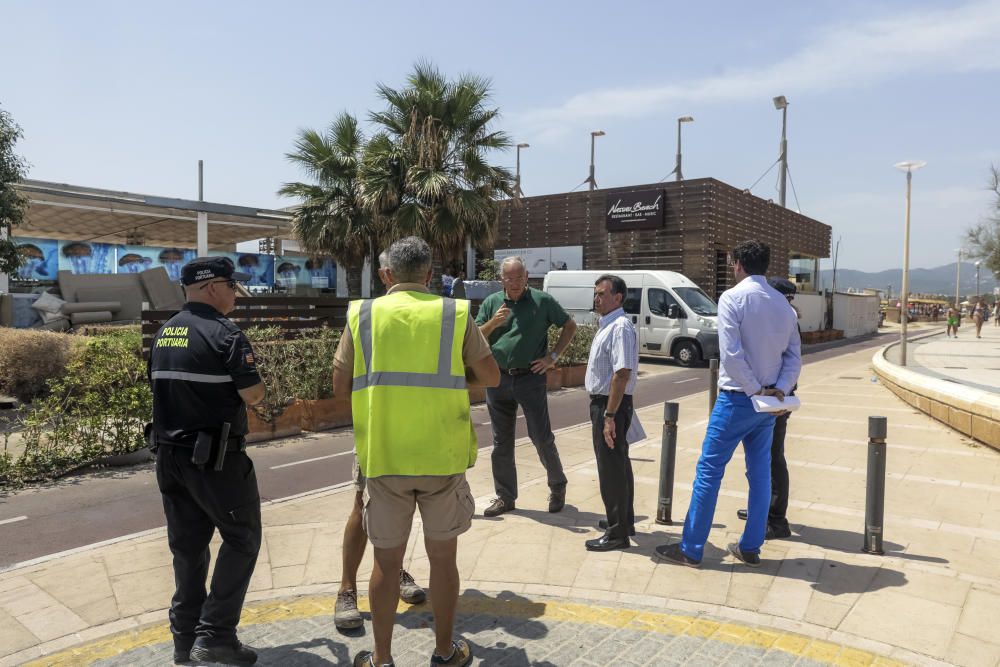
{"x":733,"y":391}
{"x":232,"y":444}
{"x":516,"y":371}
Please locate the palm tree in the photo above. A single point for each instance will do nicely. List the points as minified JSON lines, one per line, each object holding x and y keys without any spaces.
{"x":331,"y":218}
{"x":425,"y":171}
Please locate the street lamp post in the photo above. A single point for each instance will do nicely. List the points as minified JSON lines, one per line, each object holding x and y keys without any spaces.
{"x":977,"y":281}
{"x":909,"y":167}
{"x":518,"y":193}
{"x":591,"y":179}
{"x":679,"y":176}
{"x":782,"y":104}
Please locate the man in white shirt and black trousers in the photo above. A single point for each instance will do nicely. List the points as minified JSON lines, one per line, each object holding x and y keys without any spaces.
{"x":611,"y":376}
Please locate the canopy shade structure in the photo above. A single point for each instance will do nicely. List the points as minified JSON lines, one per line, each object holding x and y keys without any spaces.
{"x":71,"y":212}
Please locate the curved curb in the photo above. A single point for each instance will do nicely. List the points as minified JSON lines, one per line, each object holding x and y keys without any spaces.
{"x":970,"y":411}
{"x":703,"y":626}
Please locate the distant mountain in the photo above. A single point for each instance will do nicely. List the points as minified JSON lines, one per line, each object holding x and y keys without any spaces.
{"x":940,"y":280}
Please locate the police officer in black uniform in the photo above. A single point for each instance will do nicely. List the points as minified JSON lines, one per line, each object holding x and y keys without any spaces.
{"x":203,"y":374}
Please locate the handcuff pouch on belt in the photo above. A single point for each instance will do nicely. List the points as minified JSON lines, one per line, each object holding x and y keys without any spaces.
{"x":203,"y":447}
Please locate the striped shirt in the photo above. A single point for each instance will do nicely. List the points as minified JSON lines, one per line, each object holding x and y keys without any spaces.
{"x":615,"y":347}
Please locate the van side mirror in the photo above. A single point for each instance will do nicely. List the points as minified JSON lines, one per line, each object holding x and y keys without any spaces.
{"x":674,"y":312}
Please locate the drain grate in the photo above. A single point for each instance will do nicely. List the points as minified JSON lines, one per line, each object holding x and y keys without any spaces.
{"x":850,"y":377}
{"x":958,"y":368}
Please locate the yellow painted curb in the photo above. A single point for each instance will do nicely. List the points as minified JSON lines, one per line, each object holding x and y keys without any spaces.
{"x":584,"y":614}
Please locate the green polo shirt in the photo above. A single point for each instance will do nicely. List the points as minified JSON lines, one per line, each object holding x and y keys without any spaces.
{"x":525,"y":336}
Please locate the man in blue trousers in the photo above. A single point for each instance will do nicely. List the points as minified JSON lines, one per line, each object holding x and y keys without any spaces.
{"x":759,"y":353}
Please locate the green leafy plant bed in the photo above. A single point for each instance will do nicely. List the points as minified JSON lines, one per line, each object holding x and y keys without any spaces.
{"x":94,"y":410}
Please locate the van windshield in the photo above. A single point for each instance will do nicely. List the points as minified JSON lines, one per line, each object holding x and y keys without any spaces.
{"x":697,"y":300}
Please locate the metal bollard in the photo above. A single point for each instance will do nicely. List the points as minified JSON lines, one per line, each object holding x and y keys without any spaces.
{"x":668,"y":456}
{"x":713,"y":383}
{"x":875,"y":493}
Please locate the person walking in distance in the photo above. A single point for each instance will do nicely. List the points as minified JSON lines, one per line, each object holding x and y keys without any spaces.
{"x":952,"y":323}
{"x":346,"y":615}
{"x":516,"y":322}
{"x":759,"y":355}
{"x":203,"y":375}
{"x":979,"y":315}
{"x":417,"y":353}
{"x":611,"y":377}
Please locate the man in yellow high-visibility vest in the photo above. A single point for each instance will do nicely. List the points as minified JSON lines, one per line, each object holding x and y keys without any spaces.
{"x":413,"y":435}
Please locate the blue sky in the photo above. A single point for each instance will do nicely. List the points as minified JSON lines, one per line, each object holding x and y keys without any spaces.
{"x":129,"y":96}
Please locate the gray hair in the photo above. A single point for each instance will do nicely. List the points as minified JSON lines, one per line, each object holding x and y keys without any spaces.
{"x":513,"y":259}
{"x":410,"y":259}
{"x":383,"y":259}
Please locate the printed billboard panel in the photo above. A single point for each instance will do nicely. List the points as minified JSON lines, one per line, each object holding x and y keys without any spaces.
{"x":41,"y":258}
{"x":86,"y":257}
{"x":260,"y":268}
{"x":539,"y":261}
{"x":136,"y":259}
{"x":318,"y":272}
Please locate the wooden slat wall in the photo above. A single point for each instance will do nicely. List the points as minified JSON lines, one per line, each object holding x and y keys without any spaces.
{"x":702,"y":217}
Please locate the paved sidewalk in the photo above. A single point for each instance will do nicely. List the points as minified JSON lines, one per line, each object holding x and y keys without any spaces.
{"x":533,"y":595}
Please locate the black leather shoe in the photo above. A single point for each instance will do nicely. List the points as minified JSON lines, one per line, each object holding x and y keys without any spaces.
{"x":557,"y":500}
{"x":603,"y":525}
{"x":742,"y":515}
{"x":234,"y":653}
{"x":182,"y":650}
{"x":774,"y":533}
{"x":498,"y":507}
{"x":605,"y":543}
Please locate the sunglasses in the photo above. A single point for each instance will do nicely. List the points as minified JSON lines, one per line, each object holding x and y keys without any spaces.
{"x":231,"y":284}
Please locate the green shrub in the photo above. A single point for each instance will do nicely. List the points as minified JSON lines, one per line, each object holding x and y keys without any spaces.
{"x":95,"y":409}
{"x":29,"y":358}
{"x":301,"y":368}
{"x":578,"y":350}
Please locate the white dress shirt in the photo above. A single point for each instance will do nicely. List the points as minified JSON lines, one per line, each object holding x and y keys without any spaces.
{"x":758,"y":338}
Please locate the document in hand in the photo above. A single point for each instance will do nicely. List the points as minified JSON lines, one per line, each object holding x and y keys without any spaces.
{"x":635,"y":431}
{"x":772,"y":404}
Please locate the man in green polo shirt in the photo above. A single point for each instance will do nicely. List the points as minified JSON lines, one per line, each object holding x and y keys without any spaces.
{"x":516,"y":323}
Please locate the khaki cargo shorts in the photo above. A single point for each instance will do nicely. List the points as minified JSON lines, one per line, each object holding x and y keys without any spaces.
{"x":446,"y":508}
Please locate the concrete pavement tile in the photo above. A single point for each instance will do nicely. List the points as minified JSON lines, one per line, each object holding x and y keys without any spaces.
{"x":138,"y":557}
{"x":25,"y":599}
{"x":287,"y":548}
{"x":745,"y":597}
{"x":980,"y":614}
{"x":973,"y":651}
{"x":826,"y":612}
{"x":11,"y":581}
{"x":52,"y":622}
{"x":632,"y":576}
{"x":922,"y":584}
{"x":285,"y":577}
{"x":15,"y":637}
{"x":77,"y":586}
{"x":99,"y":612}
{"x":707,"y":584}
{"x":904,"y":620}
{"x":792,"y":589}
{"x":139,"y":592}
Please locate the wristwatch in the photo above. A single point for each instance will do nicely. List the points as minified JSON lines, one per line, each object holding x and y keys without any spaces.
{"x":554,"y":357}
{"x":609,"y":415}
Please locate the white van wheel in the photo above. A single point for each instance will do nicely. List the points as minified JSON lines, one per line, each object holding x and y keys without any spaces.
{"x":687,"y":353}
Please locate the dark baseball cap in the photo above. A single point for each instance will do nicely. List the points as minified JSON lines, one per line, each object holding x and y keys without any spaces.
{"x":783,"y":285}
{"x":207,"y":268}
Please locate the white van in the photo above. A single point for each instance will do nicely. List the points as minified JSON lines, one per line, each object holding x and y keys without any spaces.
{"x":673,"y":317}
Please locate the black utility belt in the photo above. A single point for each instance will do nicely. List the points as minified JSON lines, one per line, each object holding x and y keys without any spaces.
{"x":516,"y":371}
{"x":232,"y":444}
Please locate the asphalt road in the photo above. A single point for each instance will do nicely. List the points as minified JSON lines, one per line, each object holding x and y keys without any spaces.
{"x":101,"y":505}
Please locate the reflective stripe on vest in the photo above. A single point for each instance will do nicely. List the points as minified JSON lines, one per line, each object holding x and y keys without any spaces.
{"x":443,"y":379}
